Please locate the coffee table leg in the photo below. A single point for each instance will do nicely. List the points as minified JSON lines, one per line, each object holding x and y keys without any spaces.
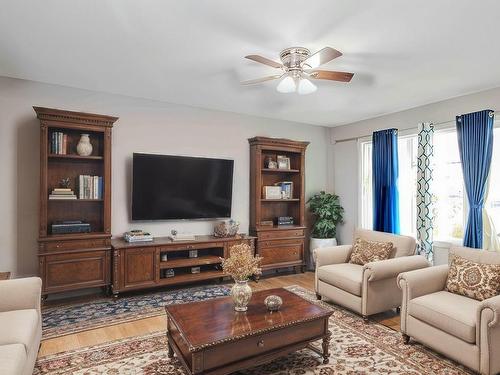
{"x":170,"y":349}
{"x":326,"y":347}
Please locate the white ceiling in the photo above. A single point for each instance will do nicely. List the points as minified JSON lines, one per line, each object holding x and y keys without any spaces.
{"x":403,"y":53}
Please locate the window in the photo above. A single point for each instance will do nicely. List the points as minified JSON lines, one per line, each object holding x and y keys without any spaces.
{"x":366,"y":186}
{"x":448,"y":188}
{"x":493,"y":198}
{"x":407,"y":153}
{"x":449,"y":197}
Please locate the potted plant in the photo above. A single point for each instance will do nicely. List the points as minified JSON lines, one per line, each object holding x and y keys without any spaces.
{"x":328,"y":213}
{"x":241,"y":265}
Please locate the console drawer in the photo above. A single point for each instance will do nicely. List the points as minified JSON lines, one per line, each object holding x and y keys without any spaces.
{"x":284,"y":233}
{"x":94,"y":243}
{"x":281,"y":251}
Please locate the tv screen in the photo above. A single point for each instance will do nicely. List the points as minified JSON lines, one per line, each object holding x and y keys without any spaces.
{"x":169,"y":187}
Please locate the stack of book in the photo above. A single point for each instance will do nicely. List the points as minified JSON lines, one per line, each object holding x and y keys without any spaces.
{"x":58,"y":143}
{"x":62,"y":193}
{"x":90,"y":187}
{"x":137,"y":235}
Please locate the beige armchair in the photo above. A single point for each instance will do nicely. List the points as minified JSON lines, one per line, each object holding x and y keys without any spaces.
{"x":20,"y":325}
{"x":367,"y":289}
{"x":461,"y":328}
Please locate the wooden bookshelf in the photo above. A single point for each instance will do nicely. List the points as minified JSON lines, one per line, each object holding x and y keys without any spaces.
{"x":280,"y":246}
{"x":75,"y":260}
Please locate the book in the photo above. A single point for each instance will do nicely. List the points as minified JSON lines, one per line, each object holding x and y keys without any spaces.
{"x":58,"y":143}
{"x":62,"y":197}
{"x":90,"y":187}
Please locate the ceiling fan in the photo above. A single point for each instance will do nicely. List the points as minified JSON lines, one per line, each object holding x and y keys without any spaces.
{"x":297,"y":67}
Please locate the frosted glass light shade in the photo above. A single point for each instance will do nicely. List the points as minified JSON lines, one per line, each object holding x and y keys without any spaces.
{"x":306,"y":87}
{"x":286,"y":85}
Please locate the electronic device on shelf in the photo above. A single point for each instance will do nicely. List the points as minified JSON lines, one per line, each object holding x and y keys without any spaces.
{"x":70,"y":226}
{"x":285,"y":220}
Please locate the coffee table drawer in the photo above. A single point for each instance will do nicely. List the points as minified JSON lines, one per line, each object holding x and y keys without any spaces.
{"x":256,"y":345}
{"x":281,"y":251}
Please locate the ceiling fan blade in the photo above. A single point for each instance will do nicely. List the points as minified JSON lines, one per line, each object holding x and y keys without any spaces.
{"x":264,"y":60}
{"x":259,"y":80}
{"x":331,"y":75}
{"x":321,"y":57}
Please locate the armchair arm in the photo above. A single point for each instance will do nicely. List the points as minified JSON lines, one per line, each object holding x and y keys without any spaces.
{"x":20,"y":294}
{"x":390,"y":268}
{"x":332,"y":255}
{"x":488,"y":335}
{"x":423,"y":281}
{"x":419,"y":283}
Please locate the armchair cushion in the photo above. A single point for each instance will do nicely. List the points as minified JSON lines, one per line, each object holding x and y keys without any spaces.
{"x":364,"y":251}
{"x":19,"y":326}
{"x":451,"y":313}
{"x":474,"y":280}
{"x":345,"y":276}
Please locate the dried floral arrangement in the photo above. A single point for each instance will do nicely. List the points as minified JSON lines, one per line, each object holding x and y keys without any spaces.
{"x":241,"y":264}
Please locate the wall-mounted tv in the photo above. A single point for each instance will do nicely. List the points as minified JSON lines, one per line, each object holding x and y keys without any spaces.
{"x":167,"y":187}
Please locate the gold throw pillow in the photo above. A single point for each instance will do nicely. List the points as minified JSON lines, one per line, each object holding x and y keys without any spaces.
{"x":474,"y":280}
{"x":364,"y":251}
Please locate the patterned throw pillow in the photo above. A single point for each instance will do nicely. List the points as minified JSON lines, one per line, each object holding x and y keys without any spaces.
{"x":473,"y":280}
{"x":364,"y":251}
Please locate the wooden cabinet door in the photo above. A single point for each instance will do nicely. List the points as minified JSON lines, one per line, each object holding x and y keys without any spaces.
{"x":139,"y":267}
{"x":75,"y":270}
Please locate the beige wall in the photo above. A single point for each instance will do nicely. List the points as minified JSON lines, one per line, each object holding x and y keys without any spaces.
{"x":345,"y":154}
{"x":144,"y":125}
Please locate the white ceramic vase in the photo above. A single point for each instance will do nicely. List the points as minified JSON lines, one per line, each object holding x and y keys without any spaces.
{"x":316,"y":243}
{"x":241,"y":293}
{"x":84,"y":147}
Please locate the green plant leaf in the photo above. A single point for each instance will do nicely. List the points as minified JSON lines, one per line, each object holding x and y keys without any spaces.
{"x":327,"y":212}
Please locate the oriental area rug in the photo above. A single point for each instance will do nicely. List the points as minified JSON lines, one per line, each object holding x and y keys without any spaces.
{"x":355,"y":348}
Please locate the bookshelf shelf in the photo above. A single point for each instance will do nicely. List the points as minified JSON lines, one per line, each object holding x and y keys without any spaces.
{"x":74,"y":261}
{"x":77,"y":157}
{"x":276,"y":170}
{"x":280,"y":200}
{"x":78,"y":200}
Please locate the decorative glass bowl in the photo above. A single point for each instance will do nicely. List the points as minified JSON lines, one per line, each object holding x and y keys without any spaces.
{"x":273,"y":303}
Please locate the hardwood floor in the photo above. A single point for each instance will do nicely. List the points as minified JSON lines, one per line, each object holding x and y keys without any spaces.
{"x":144,"y":326}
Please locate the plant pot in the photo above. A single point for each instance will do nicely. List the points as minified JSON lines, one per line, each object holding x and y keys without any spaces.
{"x":316,"y":243}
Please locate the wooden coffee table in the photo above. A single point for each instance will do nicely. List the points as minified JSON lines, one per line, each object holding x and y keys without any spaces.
{"x":209,"y":337}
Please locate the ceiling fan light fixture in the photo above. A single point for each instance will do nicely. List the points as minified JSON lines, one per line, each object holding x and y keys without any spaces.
{"x":305,"y":87}
{"x":287,"y":85}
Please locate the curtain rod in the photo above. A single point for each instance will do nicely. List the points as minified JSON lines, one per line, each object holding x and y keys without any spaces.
{"x":413,"y":127}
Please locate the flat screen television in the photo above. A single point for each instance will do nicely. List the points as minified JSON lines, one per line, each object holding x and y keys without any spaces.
{"x":167,"y":187}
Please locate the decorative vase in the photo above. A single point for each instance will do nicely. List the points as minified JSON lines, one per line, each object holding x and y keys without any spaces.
{"x":84,"y":147}
{"x":241,"y":293}
{"x":226,"y":229}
